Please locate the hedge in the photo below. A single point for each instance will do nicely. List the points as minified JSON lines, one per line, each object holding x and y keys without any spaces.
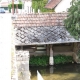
{"x":44,"y":60}
{"x":39,"y":60}
{"x":10,"y":6}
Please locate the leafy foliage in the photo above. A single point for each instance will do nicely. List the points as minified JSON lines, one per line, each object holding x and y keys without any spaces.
{"x":44,"y":60}
{"x":72,"y":22}
{"x":62,"y":59}
{"x":40,"y":4}
{"x":39,"y":60}
{"x":10,"y":6}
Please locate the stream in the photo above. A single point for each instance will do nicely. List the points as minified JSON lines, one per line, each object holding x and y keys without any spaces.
{"x":57,"y":72}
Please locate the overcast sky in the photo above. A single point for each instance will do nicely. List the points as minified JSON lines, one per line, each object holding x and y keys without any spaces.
{"x":5,"y":0}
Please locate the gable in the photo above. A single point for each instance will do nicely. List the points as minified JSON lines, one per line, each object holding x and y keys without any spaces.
{"x":52,"y":4}
{"x":63,"y":6}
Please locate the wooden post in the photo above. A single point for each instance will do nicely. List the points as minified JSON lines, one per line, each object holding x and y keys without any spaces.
{"x":16,"y":8}
{"x":75,"y":54}
{"x":75,"y":49}
{"x":51,"y":60}
{"x":47,"y":47}
{"x":12,"y":6}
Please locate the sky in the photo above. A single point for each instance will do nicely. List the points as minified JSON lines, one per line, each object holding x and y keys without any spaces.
{"x":7,"y":0}
{"x":4,"y":0}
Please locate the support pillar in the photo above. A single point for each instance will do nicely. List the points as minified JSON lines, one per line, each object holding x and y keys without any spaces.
{"x":47,"y":49}
{"x":75,"y":49}
{"x":75,"y":55}
{"x":12,"y":6}
{"x":51,"y":60}
{"x":23,"y":65}
{"x":16,"y":8}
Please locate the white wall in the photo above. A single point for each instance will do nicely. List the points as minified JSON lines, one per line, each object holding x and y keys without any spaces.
{"x":28,"y":6}
{"x":63,"y":5}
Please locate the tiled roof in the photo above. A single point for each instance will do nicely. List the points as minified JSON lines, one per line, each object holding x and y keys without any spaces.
{"x":4,"y":4}
{"x":52,"y":4}
{"x":42,"y":35}
{"x":39,"y":19}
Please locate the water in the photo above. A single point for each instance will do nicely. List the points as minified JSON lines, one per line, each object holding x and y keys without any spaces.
{"x":57,"y":72}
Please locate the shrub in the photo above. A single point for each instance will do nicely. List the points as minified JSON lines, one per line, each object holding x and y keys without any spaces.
{"x":44,"y":60}
{"x":40,"y":4}
{"x":62,"y":59}
{"x":39,"y":60}
{"x":10,"y":6}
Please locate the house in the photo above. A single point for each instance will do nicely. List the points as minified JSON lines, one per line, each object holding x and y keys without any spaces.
{"x":4,"y":5}
{"x":58,"y":5}
{"x":28,"y":6}
{"x":44,"y":34}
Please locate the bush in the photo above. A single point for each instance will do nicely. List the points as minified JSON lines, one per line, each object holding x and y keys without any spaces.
{"x":40,"y":4}
{"x":39,"y":60}
{"x":62,"y":59}
{"x":10,"y":6}
{"x":44,"y":60}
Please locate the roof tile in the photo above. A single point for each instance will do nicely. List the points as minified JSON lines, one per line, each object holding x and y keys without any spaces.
{"x":42,"y":19}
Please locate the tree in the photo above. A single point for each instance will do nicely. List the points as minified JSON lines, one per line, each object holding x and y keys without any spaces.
{"x":40,"y":4}
{"x":72,"y":22}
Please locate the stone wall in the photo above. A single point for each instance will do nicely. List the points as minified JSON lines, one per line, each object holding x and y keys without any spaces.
{"x":22,"y":58}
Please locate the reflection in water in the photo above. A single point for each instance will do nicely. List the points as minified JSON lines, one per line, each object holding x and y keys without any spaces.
{"x":57,"y":72}
{"x":51,"y":69}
